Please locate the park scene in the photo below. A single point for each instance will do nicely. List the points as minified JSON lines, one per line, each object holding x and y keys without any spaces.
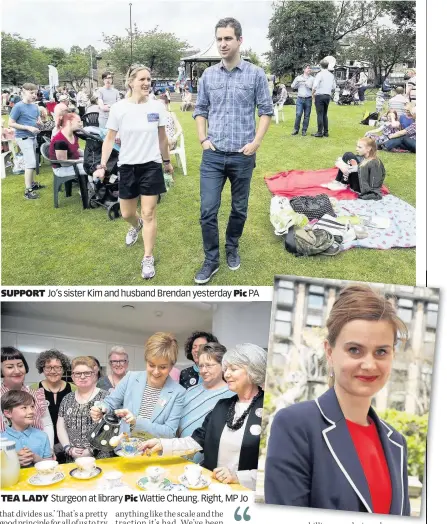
{"x":313,"y":209}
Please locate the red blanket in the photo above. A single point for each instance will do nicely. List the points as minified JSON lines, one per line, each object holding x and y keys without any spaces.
{"x":298,"y":183}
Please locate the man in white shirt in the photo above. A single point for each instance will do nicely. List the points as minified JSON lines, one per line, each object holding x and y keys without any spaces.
{"x":304,"y":85}
{"x":324,"y":85}
{"x":107,"y":96}
{"x":398,"y":102}
{"x":362,"y":84}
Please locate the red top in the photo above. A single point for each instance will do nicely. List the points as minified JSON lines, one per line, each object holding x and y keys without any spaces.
{"x":372,"y":458}
{"x":61,"y":143}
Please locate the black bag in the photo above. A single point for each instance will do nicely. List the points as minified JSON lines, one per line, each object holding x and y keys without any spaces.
{"x":302,"y":243}
{"x":312,"y":207}
{"x":371,"y":116}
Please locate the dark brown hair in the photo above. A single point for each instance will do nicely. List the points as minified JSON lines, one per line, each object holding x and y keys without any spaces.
{"x":209,"y":337}
{"x":360,"y":302}
{"x":13,"y":398}
{"x":230,"y":22}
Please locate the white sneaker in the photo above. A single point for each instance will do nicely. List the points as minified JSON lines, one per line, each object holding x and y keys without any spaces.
{"x":336,"y":186}
{"x":132,"y":234}
{"x":147,"y":268}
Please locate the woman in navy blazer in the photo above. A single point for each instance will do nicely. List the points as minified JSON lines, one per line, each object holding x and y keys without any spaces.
{"x":164,"y":395}
{"x":314,"y":458}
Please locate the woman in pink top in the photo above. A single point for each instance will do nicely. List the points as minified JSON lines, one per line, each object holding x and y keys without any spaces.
{"x":14,"y":367}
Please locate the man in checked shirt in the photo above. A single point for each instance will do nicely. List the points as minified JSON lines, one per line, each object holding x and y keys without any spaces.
{"x":229,"y":93}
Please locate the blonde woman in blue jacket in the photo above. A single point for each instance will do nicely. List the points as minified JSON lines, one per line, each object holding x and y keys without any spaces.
{"x":149,"y":401}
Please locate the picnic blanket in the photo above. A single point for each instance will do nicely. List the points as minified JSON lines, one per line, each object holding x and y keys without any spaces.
{"x":402,"y":231}
{"x":298,"y":183}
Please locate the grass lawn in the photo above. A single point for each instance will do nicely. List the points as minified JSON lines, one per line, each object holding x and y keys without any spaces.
{"x":69,"y":246}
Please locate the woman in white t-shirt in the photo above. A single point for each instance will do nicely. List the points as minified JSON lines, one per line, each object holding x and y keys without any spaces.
{"x":140,"y":123}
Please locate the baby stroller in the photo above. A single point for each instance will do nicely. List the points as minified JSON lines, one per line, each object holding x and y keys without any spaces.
{"x":104,"y":192}
{"x":349,"y":94}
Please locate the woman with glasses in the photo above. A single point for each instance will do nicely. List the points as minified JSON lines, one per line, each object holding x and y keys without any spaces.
{"x":119,"y":362}
{"x":201,"y":399}
{"x":54,"y":365}
{"x":74,"y":423}
{"x":229,"y":436}
{"x":14,"y":368}
{"x":144,"y":148}
{"x":190,"y":376}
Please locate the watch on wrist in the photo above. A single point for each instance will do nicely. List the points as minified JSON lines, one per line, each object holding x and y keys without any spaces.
{"x":166,"y":161}
{"x":101,"y":166}
{"x":204,"y":140}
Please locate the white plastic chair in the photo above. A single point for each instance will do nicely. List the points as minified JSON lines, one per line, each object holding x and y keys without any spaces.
{"x":180,"y":153}
{"x":3,"y":163}
{"x":278,"y":110}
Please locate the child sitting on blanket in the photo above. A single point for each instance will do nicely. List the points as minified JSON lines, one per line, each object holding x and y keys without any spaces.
{"x":363,"y":172}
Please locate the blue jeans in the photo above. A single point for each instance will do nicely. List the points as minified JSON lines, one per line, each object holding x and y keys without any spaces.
{"x":215,"y":168}
{"x":303,"y":105}
{"x":402,"y":142}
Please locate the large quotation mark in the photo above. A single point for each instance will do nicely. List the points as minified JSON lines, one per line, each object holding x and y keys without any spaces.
{"x":245,"y":516}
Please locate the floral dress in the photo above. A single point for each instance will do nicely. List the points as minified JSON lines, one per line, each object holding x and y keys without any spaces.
{"x":79,"y":423}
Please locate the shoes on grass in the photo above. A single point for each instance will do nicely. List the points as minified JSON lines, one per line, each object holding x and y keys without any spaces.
{"x":148,"y":268}
{"x":132,"y":234}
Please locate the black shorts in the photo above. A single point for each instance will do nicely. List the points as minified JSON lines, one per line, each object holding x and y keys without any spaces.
{"x":141,"y":179}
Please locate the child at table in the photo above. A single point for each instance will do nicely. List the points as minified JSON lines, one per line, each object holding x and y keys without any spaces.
{"x":32,"y":445}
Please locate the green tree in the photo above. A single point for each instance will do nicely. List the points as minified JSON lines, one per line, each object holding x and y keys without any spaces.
{"x":383,"y":47}
{"x":414,"y":429}
{"x":158,"y":50}
{"x":403,"y":14}
{"x":21,"y":61}
{"x":252,"y":55}
{"x":305,"y":31}
{"x":75,"y":68}
{"x":298,"y":33}
{"x":56,"y":55}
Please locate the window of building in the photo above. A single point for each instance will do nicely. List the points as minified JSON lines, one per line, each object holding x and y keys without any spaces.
{"x":278,"y":361}
{"x":281,"y":348}
{"x":315,"y":306}
{"x":405,"y":310}
{"x":285,"y":296}
{"x":431,"y":315}
{"x":283,"y":323}
{"x":429,"y":341}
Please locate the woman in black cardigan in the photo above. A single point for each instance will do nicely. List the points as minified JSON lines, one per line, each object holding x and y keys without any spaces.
{"x":230,"y":434}
{"x":363,"y":171}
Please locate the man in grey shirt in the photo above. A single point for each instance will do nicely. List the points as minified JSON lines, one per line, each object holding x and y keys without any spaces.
{"x":324,"y":84}
{"x":304,"y":85}
{"x":107,"y":96}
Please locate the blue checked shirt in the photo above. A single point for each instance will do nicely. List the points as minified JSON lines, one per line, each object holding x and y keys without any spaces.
{"x":228,"y":99}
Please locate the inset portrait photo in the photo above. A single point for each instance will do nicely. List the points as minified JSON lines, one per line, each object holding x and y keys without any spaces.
{"x":347,"y":396}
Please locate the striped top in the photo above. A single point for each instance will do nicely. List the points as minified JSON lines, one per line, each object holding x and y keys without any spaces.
{"x":148,"y":402}
{"x":41,"y":406}
{"x":198,"y":402}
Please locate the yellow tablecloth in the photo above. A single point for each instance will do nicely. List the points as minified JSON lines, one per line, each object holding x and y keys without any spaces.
{"x":132,"y":468}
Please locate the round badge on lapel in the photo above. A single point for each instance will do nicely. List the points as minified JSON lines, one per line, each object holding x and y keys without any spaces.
{"x":192,"y":381}
{"x":258,"y":412}
{"x":47,"y":402}
{"x":255,"y":429}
